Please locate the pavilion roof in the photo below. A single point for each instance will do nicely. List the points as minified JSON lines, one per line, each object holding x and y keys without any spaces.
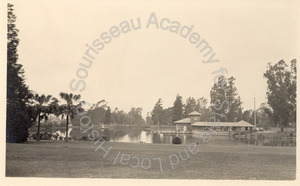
{"x":223,"y":124}
{"x":183,"y":121}
{"x":194,"y":113}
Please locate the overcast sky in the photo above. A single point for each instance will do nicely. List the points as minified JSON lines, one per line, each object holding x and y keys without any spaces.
{"x":141,"y":66}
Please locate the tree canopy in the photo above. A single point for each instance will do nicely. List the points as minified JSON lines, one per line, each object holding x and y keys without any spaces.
{"x":19,"y":115}
{"x":281,"y":92}
{"x":225,"y":99}
{"x":177,"y":109}
{"x":69,"y":108}
{"x":157,"y":112}
{"x":42,"y":107}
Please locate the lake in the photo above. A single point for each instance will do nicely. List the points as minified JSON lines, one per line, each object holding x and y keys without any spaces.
{"x":130,"y":135}
{"x":145,"y":135}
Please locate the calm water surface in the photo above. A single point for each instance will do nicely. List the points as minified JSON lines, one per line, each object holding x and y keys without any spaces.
{"x":132,"y":135}
{"x":147,"y":136}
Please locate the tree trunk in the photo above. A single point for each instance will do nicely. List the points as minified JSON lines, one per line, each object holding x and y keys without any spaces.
{"x":281,"y":128}
{"x":67,"y":129}
{"x":38,"y":131}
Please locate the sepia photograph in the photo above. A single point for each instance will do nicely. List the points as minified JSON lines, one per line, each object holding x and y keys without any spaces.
{"x":149,"y":91}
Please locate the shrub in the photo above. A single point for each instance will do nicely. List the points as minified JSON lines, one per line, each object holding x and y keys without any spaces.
{"x":84,"y":138}
{"x":176,"y":140}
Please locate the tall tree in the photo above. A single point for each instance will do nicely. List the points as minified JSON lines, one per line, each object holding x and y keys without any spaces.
{"x":234,"y":101}
{"x":240,"y":114}
{"x":177,"y":108}
{"x":18,"y":114}
{"x":136,"y":116}
{"x":122,"y":117}
{"x":203,"y":109}
{"x":264,"y":114}
{"x":157,"y":112}
{"x":107,"y":116}
{"x":115,"y":116}
{"x":281,"y":92}
{"x":247,"y":116}
{"x":293,"y":91}
{"x":42,"y":107}
{"x":119,"y":116}
{"x":69,"y":109}
{"x":205,"y":114}
{"x":190,"y":106}
{"x":218,"y":96}
{"x":149,"y":119}
{"x":167,"y":115}
{"x":201,"y":104}
{"x":97,"y":111}
{"x":225,"y":100}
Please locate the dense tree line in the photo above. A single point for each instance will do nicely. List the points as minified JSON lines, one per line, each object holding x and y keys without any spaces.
{"x":179,"y":110}
{"x":280,"y":110}
{"x":263,"y":118}
{"x":101,"y":113}
{"x":222,"y":91}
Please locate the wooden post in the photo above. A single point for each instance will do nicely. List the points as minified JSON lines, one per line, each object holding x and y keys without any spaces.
{"x":67,"y":128}
{"x":39,"y":125}
{"x":254,"y":114}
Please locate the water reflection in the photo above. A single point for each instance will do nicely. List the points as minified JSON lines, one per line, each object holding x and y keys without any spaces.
{"x":147,"y":136}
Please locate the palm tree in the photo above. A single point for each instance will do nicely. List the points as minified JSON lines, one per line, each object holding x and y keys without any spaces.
{"x":68,"y":109}
{"x":42,"y":108}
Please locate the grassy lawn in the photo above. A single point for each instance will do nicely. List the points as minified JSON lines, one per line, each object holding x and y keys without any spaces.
{"x":79,"y":159}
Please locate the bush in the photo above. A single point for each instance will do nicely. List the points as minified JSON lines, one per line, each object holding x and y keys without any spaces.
{"x":176,"y":140}
{"x":84,"y":138}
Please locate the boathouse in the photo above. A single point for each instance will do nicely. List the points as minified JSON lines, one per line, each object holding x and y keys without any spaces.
{"x":193,"y":124}
{"x":184,"y":125}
